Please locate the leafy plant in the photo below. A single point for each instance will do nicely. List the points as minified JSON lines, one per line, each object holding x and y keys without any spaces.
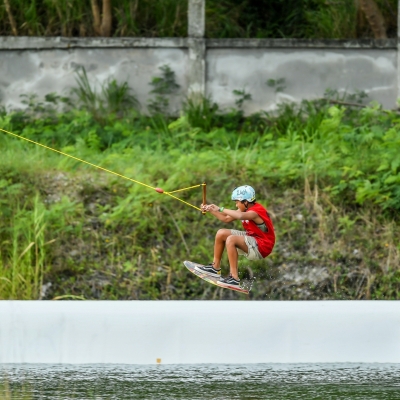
{"x":277,"y":84}
{"x":118,"y":98}
{"x":242,"y":96}
{"x":115,"y":98}
{"x":201,"y":114}
{"x":164,"y":87}
{"x":358,"y":97}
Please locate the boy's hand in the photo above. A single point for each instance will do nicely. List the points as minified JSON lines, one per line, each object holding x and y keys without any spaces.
{"x":203,"y":207}
{"x":210,"y":208}
{"x":215,"y":211}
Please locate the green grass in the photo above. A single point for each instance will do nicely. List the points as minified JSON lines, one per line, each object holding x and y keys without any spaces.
{"x":74,"y":18}
{"x":224,"y":18}
{"x":10,"y":391}
{"x":328,"y":175}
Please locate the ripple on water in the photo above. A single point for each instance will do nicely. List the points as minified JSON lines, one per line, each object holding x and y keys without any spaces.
{"x":261,"y":381}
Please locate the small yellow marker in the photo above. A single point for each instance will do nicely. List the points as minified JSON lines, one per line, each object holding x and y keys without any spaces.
{"x":158,"y":360}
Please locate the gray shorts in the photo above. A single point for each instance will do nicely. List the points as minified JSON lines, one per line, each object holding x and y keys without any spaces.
{"x":253,"y":253}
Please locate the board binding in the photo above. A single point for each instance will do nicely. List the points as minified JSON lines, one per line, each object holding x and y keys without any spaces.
{"x":210,"y":279}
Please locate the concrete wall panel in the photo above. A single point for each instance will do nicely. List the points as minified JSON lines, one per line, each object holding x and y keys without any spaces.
{"x":46,"y":71}
{"x":190,"y":332}
{"x":215,"y":67}
{"x":307,"y":73}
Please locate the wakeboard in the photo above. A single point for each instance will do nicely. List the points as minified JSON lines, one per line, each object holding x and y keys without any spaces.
{"x":210,"y":279}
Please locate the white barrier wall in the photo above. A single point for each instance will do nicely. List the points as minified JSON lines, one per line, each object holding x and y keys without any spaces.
{"x":175,"y":332}
{"x":307,"y":74}
{"x":31,"y":65}
{"x":53,"y":70}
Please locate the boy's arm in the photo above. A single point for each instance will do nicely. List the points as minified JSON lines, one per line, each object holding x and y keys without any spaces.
{"x":214,"y":210}
{"x":226,"y":215}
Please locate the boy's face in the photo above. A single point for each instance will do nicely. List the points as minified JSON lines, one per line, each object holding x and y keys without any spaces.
{"x":240,"y":206}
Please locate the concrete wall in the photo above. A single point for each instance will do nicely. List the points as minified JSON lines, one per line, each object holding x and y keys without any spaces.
{"x":190,"y":332}
{"x":204,"y":67}
{"x":308,"y":73}
{"x":43,"y":65}
{"x":207,"y":67}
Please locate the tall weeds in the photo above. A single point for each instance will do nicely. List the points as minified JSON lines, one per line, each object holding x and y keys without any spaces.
{"x":114,"y":98}
{"x":327,"y":174}
{"x":76,"y":18}
{"x":168,"y":18}
{"x":10,"y":391}
{"x":23,"y":254}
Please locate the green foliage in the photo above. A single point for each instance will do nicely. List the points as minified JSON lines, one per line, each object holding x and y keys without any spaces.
{"x":339,"y":20}
{"x":242,"y":96}
{"x":149,"y":18}
{"x":224,"y":18}
{"x":115,"y":98}
{"x":328,"y":20}
{"x":293,"y":19}
{"x":201,"y":113}
{"x":277,"y":84}
{"x":358,"y":97}
{"x":86,"y":95}
{"x":22,"y":252}
{"x":328,"y":174}
{"x":164,"y":87}
{"x":256,"y":18}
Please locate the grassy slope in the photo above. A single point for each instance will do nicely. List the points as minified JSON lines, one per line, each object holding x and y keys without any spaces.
{"x":328,"y":177}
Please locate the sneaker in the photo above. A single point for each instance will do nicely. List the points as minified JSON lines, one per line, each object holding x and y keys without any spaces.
{"x":229,"y":281}
{"x":209,"y":270}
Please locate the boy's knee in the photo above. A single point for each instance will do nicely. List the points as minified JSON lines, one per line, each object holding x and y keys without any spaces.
{"x":230,"y":241}
{"x":223,"y":233}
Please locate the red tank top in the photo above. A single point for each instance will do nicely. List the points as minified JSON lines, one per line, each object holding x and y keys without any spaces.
{"x":265,"y":240}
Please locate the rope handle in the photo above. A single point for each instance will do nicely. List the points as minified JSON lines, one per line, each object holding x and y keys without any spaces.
{"x":204,"y":196}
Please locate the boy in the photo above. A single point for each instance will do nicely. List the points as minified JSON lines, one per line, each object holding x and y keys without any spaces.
{"x":255,"y":243}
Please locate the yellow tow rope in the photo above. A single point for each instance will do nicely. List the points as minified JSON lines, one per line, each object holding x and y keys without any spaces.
{"x":158,"y":190}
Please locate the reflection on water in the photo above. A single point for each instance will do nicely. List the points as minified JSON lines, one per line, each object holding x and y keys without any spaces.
{"x":261,"y":381}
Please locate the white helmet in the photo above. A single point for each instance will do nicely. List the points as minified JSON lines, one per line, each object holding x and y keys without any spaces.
{"x":242,"y":193}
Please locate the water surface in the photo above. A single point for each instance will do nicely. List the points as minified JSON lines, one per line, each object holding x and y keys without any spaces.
{"x":259,"y":381}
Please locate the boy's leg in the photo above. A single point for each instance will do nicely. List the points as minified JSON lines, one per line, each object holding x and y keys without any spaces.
{"x":219,"y":246}
{"x":232,"y":243}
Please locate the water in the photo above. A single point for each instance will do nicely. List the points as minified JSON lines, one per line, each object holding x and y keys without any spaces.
{"x":261,"y":381}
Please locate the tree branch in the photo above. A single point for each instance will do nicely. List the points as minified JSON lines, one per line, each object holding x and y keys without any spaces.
{"x":105,"y":28}
{"x":374,"y":17}
{"x":11,"y":18}
{"x":96,"y":17}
